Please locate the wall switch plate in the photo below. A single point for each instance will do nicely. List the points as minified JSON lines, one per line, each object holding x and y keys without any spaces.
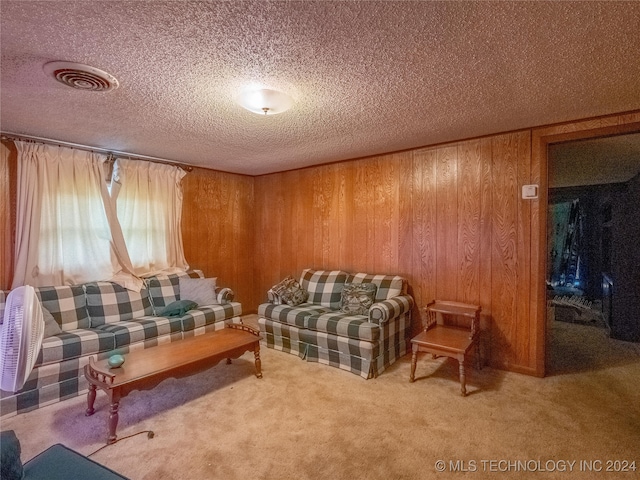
{"x":529,"y":192}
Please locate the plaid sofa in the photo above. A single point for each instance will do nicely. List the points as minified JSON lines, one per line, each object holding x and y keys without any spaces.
{"x":99,"y":318}
{"x":318,"y":331}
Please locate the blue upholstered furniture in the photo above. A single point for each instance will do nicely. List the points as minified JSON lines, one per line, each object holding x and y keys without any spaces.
{"x":100,"y":318}
{"x":318,"y":330}
{"x":55,"y":463}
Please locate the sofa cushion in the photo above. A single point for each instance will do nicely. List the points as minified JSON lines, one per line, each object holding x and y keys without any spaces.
{"x":109,"y":302}
{"x":344,"y":325}
{"x":291,"y":315}
{"x":388,"y":286}
{"x":165,"y":289}
{"x":324,"y":286}
{"x":73,"y":344}
{"x":141,"y":329}
{"x":209,"y":314}
{"x":357,"y":298}
{"x":51,"y":327}
{"x":67,"y":304}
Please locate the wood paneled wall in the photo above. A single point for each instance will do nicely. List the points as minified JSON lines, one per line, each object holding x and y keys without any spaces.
{"x":449,"y":219}
{"x":218,"y":229}
{"x":7,"y":217}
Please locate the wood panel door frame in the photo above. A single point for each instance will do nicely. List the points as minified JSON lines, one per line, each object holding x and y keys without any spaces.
{"x":541,"y":138}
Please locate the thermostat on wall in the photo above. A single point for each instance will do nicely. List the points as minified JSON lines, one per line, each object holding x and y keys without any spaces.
{"x":529,"y":192}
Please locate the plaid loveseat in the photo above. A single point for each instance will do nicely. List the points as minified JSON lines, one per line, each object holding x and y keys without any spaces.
{"x":318,"y":331}
{"x":99,"y":318}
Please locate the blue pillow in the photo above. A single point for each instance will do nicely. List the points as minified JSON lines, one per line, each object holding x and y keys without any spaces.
{"x":178,"y":308}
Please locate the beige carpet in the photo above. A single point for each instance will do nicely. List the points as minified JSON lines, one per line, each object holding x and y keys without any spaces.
{"x":309,"y":421}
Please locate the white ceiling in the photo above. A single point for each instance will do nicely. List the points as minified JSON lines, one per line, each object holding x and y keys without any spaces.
{"x":367,"y":77}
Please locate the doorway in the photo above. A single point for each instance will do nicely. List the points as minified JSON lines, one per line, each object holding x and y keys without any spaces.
{"x":593,"y":259}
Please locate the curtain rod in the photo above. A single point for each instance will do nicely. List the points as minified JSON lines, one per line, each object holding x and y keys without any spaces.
{"x":17,"y":136}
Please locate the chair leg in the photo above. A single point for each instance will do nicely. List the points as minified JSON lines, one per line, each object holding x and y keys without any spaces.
{"x":463,"y":380}
{"x":414,"y":360}
{"x":478,"y":357}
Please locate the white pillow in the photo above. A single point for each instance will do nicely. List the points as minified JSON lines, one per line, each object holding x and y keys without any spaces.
{"x":199,"y":290}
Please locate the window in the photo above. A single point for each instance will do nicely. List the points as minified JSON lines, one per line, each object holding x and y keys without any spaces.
{"x":73,"y":229}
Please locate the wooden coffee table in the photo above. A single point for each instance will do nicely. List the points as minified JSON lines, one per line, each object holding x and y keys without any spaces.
{"x":144,"y":369}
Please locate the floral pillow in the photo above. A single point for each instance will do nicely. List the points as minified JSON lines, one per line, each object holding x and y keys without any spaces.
{"x":290,"y":292}
{"x":357,"y":298}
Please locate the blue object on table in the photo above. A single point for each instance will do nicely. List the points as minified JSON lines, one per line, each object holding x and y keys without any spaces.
{"x":115,"y":360}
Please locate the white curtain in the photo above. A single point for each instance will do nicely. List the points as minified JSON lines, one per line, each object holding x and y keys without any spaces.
{"x":148,"y":200}
{"x":67,"y":232}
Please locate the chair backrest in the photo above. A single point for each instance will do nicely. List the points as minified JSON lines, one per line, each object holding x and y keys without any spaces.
{"x":458,"y":314}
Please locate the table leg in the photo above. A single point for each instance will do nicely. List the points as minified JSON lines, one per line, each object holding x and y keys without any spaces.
{"x":113,"y":421}
{"x":91,"y":398}
{"x":414,"y":360}
{"x":114,"y":404}
{"x":463,"y":380}
{"x":256,"y":353}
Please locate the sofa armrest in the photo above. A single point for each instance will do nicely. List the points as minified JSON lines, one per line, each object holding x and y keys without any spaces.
{"x":382,"y":312}
{"x":225,"y":295}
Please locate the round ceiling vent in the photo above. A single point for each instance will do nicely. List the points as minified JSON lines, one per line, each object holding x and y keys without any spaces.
{"x":81,"y":77}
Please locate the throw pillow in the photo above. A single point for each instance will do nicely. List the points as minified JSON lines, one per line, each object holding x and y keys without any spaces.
{"x":290,"y":292}
{"x":11,"y":465}
{"x":357,"y":298}
{"x":273,"y":298}
{"x":51,"y":327}
{"x":178,"y":308}
{"x":200,"y":290}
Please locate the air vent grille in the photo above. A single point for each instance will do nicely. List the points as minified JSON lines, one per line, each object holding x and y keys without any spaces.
{"x":81,"y":77}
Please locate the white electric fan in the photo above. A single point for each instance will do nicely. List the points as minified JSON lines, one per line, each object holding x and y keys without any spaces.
{"x":21,"y":337}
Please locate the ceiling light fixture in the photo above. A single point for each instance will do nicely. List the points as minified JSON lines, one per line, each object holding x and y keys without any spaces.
{"x":265,"y":101}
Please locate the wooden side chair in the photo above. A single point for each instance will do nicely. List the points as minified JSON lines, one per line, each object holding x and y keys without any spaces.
{"x":440,"y":338}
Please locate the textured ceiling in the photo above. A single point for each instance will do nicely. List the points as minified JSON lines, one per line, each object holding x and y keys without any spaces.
{"x":367,"y":77}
